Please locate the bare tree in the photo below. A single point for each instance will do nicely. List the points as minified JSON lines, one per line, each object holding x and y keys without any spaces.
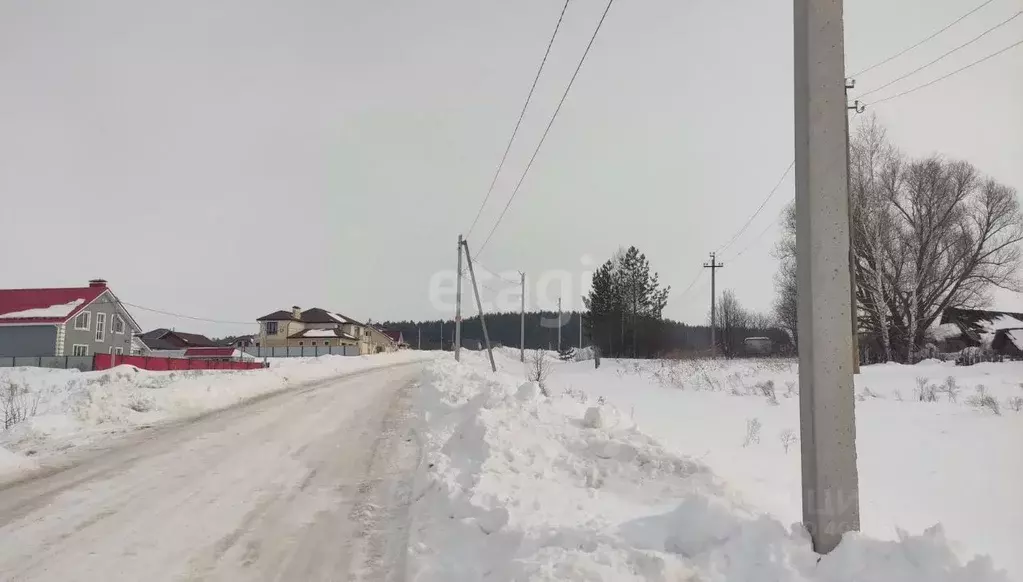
{"x":785,"y":304}
{"x":929,"y":234}
{"x":538,"y":370}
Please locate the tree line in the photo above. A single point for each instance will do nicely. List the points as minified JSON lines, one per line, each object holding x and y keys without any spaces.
{"x":624,"y":318}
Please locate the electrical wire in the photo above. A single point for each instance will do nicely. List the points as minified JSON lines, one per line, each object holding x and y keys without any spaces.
{"x":548,"y":129}
{"x":922,"y":67}
{"x":172,"y":314}
{"x":943,"y":77}
{"x":690,"y":286}
{"x":756,"y":238}
{"x":907,"y":49}
{"x":759,"y":209}
{"x":496,"y":274}
{"x":518,"y":123}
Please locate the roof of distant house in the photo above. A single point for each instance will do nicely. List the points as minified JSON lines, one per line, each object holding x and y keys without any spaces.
{"x":50,"y":306}
{"x":158,"y":339}
{"x":395,"y":335}
{"x":209,"y":352}
{"x":312,"y":315}
{"x":282,"y":315}
{"x":981,"y":324}
{"x":321,"y":333}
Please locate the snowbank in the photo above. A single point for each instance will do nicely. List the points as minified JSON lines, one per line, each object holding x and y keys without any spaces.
{"x":73,"y":408}
{"x":516,"y":486}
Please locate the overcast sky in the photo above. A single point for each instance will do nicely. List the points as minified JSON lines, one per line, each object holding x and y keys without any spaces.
{"x":224,"y":159}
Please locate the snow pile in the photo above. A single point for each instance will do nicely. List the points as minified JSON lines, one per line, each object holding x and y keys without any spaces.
{"x":68,"y":408}
{"x":516,"y":486}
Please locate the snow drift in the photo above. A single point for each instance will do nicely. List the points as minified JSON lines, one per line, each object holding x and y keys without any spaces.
{"x":516,"y":486}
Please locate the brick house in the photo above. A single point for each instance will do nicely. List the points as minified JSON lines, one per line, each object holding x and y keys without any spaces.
{"x":72,"y":321}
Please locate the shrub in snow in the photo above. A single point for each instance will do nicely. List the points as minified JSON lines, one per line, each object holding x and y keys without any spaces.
{"x":16,"y":404}
{"x":950,"y":389}
{"x":139,"y":403}
{"x":983,"y":400}
{"x":787,"y":438}
{"x":1016,"y":403}
{"x":752,"y":432}
{"x":767,"y":389}
{"x":926,"y":392}
{"x":539,"y":369}
{"x":790,"y":389}
{"x":867,"y":393}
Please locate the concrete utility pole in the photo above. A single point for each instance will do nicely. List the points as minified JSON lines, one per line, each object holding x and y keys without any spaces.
{"x":559,"y":324}
{"x":580,"y":329}
{"x":857,"y":107}
{"x":479,"y":305}
{"x":458,"y":305}
{"x":713,"y":265}
{"x":826,"y":404}
{"x":522,"y":321}
{"x":419,"y":332}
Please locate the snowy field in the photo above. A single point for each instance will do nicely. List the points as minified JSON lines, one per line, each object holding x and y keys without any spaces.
{"x":68,"y":409}
{"x":645,"y":470}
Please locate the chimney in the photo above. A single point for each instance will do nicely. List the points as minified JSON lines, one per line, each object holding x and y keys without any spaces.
{"x":296,"y":312}
{"x":98,"y":283}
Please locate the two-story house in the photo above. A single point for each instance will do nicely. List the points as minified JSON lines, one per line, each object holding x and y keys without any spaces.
{"x":71,"y":321}
{"x":312,"y":327}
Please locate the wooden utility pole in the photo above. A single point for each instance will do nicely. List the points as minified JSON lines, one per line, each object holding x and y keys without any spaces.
{"x":458,"y":305}
{"x":858,"y":108}
{"x":419,"y":332}
{"x":559,"y":324}
{"x":522,"y":320}
{"x":580,"y":329}
{"x":826,"y":404}
{"x":713,"y":265}
{"x":479,"y":305}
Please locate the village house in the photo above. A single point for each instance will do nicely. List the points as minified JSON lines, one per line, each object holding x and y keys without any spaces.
{"x":318,"y":327}
{"x":999,"y":331}
{"x":71,"y":321}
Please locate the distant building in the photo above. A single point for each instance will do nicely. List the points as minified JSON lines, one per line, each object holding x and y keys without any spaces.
{"x":1000,"y":331}
{"x":758,"y":346}
{"x":320,"y":327}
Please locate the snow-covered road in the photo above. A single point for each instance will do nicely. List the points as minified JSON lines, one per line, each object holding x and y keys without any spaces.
{"x":311,"y":484}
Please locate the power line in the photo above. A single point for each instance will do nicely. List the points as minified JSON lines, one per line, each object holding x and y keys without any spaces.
{"x":762,"y":204}
{"x":495,"y":273}
{"x":690,"y":286}
{"x":521,"y":115}
{"x":548,"y":129}
{"x":943,"y":77}
{"x":756,"y":238}
{"x":907,"y":49}
{"x":178,"y":315}
{"x":965,"y":44}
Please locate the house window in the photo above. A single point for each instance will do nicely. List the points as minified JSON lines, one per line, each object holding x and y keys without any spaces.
{"x":80,"y":350}
{"x":116,"y":351}
{"x":271,"y":328}
{"x":101,"y":327}
{"x":117,"y":324}
{"x":301,"y":343}
{"x":313,"y":343}
{"x":84,"y":320}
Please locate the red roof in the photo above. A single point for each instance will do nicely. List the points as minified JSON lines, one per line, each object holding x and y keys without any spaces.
{"x":17,"y":301}
{"x":209,"y":352}
{"x":394,"y":335}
